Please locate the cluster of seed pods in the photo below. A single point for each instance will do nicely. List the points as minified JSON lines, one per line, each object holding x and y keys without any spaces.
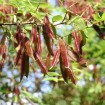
{"x":32,"y":48}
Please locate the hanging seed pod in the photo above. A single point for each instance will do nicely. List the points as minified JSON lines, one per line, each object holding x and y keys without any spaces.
{"x":72,"y":54}
{"x":55,"y":58}
{"x":48,"y":62}
{"x":48,"y":28}
{"x":77,"y":41}
{"x":62,"y":68}
{"x":40,"y":63}
{"x":24,"y":65}
{"x":3,"y":51}
{"x":65,"y":65}
{"x":35,"y":37}
{"x":34,"y":34}
{"x":18,"y":56}
{"x":19,"y":35}
{"x":48,"y":41}
{"x":1,"y":65}
{"x":99,"y":31}
{"x":28,"y":49}
{"x":82,"y":61}
{"x":64,"y":52}
{"x":39,"y":46}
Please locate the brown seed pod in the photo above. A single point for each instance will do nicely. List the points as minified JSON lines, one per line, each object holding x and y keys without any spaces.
{"x":40,"y":63}
{"x":34,"y":34}
{"x":48,"y":42}
{"x":64,"y":52}
{"x":48,"y":28}
{"x":18,"y":56}
{"x":65,"y":66}
{"x":99,"y":31}
{"x":28,"y":49}
{"x":48,"y":60}
{"x":77,"y":41}
{"x":24,"y":65}
{"x":55,"y":58}
{"x":35,"y":37}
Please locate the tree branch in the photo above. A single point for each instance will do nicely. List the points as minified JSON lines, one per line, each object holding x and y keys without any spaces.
{"x":21,"y":23}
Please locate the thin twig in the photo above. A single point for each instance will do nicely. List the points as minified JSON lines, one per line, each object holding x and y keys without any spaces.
{"x":37,"y":6}
{"x":64,"y":17}
{"x":21,"y":23}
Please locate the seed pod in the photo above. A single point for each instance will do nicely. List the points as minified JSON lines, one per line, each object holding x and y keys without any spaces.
{"x":1,"y":65}
{"x":67,"y":73}
{"x":77,"y":41}
{"x":65,"y":65}
{"x":99,"y":31}
{"x":39,"y":46}
{"x":82,"y":61}
{"x":20,"y":51}
{"x":64,"y":52}
{"x":40,"y":63}
{"x":18,"y":56}
{"x":24,"y":65}
{"x":62,"y":68}
{"x":35,"y":37}
{"x":73,"y":56}
{"x":47,"y":62}
{"x":34,"y":34}
{"x":55,"y":58}
{"x":4,"y":51}
{"x":28,"y":49}
{"x":48,"y":28}
{"x":48,"y":41}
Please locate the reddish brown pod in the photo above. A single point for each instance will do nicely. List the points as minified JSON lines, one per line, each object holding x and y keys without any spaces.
{"x":48,"y":41}
{"x":3,"y":51}
{"x":28,"y":49}
{"x":19,"y":35}
{"x":65,"y":65}
{"x":36,"y":39}
{"x":77,"y":41}
{"x":55,"y":58}
{"x":48,"y":28}
{"x":24,"y":65}
{"x":41,"y":64}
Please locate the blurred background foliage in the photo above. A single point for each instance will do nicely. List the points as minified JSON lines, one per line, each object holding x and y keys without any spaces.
{"x":51,"y":90}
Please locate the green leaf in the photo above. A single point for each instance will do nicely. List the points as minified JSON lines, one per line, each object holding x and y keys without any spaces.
{"x":57,"y":18}
{"x":103,"y":16}
{"x":69,"y":39}
{"x":54,"y":30}
{"x":53,"y":74}
{"x":51,"y":79}
{"x":31,"y":97}
{"x":79,"y":23}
